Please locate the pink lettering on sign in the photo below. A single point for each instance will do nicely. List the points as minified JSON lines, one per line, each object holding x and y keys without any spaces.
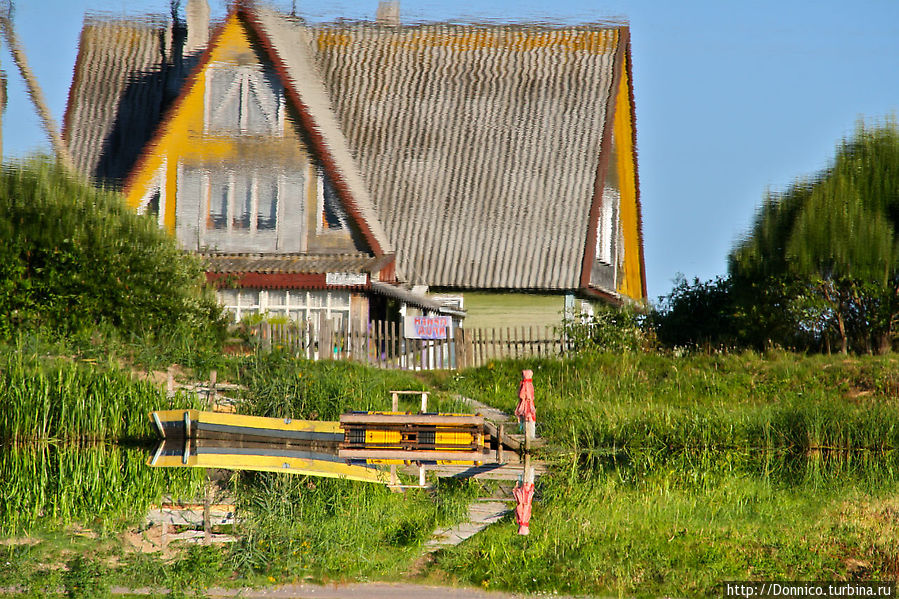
{"x":429,"y":327}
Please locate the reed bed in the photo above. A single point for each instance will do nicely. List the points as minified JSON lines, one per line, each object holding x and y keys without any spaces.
{"x":53,"y":486}
{"x":282,"y":386}
{"x":663,"y":402}
{"x":295,"y":526}
{"x":68,"y":401}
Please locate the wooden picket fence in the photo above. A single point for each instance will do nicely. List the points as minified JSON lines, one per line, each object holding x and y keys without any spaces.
{"x":384,"y":346}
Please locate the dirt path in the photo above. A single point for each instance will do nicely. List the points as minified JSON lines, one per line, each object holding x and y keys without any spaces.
{"x":370,"y":590}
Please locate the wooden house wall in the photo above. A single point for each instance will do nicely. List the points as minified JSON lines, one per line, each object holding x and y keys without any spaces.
{"x":183,"y":144}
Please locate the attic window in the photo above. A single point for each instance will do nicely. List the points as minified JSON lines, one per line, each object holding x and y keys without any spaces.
{"x":607,"y":227}
{"x":333,"y":216}
{"x":153,"y":201}
{"x":244,"y":100}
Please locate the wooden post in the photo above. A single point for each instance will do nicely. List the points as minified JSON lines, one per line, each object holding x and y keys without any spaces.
{"x":482,"y":334}
{"x":501,"y":430}
{"x":461,"y":349}
{"x":382,"y":335}
{"x":424,"y":402}
{"x":169,"y":382}
{"x":395,"y":401}
{"x":207,"y":525}
{"x":213,"y":375}
{"x":421,"y":475}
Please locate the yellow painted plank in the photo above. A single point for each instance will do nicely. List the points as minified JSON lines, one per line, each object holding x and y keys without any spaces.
{"x":631,"y":283}
{"x":278,"y":424}
{"x":290,"y":465}
{"x":283,"y":464}
{"x":260,"y":422}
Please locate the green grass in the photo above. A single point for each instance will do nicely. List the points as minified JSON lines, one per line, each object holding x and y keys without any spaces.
{"x":661,"y":402}
{"x":102,"y":488}
{"x":679,"y":526}
{"x":656,"y":488}
{"x":282,"y":386}
{"x":325,"y":529}
{"x":62,"y":400}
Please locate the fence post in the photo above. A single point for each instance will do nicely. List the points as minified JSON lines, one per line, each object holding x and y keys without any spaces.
{"x":267,"y":336}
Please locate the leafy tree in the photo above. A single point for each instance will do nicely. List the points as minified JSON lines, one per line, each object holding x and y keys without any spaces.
{"x":73,"y":258}
{"x":833,"y":241}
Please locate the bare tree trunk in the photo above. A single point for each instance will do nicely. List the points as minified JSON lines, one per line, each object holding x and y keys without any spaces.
{"x":844,"y":342}
{"x":838,"y":310}
{"x":37,"y":97}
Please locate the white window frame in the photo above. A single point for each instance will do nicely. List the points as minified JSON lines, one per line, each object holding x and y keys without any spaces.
{"x":295,"y":299}
{"x":606,"y":229}
{"x":253,"y":178}
{"x":320,"y":196}
{"x":250,"y":75}
{"x":253,"y":229}
{"x":157,"y":184}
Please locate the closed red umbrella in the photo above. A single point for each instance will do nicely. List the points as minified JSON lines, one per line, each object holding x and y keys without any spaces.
{"x":526,"y":411}
{"x":524,"y":495}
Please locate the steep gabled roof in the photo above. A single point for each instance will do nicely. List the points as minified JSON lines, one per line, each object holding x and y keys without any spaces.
{"x":481,"y":144}
{"x":478,"y":148}
{"x":117,"y":94}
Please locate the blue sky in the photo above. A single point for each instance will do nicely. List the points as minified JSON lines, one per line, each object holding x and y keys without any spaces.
{"x":732,"y":98}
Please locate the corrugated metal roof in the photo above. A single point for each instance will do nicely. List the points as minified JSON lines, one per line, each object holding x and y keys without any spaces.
{"x":125,"y":77}
{"x":116,"y":94}
{"x":480,"y":144}
{"x":290,"y":263}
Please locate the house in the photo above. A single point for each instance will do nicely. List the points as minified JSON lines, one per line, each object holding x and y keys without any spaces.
{"x":336,"y":169}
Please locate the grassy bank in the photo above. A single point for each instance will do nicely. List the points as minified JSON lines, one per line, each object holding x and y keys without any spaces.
{"x":679,"y":526}
{"x":658,"y":491}
{"x":49,"y":487}
{"x":662,"y":402}
{"x":63,"y":400}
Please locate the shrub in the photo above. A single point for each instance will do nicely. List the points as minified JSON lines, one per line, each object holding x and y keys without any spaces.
{"x":75,"y":257}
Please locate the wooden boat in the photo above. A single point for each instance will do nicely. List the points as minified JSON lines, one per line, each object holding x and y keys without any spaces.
{"x":197,"y":424}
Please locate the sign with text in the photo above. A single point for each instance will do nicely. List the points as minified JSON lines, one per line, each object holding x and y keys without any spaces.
{"x":346,"y":278}
{"x":427,"y":327}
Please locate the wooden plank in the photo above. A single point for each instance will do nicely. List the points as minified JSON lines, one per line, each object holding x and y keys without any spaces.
{"x":505,"y":439}
{"x":429,"y":419}
{"x":461,"y":349}
{"x":414,"y":456}
{"x":483,"y":348}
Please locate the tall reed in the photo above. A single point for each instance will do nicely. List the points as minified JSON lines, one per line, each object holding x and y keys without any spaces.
{"x":653,"y":401}
{"x":51,"y":486}
{"x":65,"y":400}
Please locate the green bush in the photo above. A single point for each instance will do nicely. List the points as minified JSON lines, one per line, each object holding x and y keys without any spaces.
{"x":75,"y":257}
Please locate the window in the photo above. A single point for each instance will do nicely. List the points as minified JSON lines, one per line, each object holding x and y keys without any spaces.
{"x":333,"y":216}
{"x":607,"y":229}
{"x":248,"y":210}
{"x":297,"y":305}
{"x":243,"y":201}
{"x":153,"y":201}
{"x":243,"y":99}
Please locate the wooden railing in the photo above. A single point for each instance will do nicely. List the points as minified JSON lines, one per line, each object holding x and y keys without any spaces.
{"x":384,"y":346}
